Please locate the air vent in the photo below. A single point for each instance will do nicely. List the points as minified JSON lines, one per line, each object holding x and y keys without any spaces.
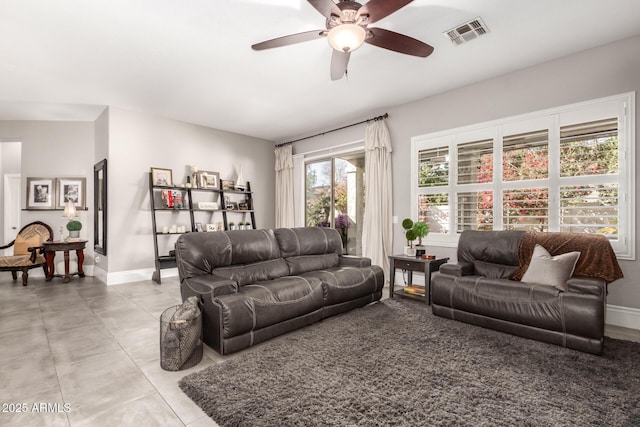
{"x":467,"y":31}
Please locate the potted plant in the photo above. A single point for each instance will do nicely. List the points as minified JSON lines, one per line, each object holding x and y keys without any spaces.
{"x":74,"y":228}
{"x":241,"y":226}
{"x":232,"y":226}
{"x":407,"y":224}
{"x":421,"y":229}
{"x":342,"y":224}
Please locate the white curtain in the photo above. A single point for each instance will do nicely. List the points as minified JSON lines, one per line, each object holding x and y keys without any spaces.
{"x":377,"y":233}
{"x":284,"y":186}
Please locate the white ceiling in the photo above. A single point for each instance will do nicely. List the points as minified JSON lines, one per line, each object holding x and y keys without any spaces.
{"x":192,"y":61}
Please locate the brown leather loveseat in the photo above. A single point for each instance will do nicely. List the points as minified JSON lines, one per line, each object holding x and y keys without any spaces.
{"x":256,"y":284}
{"x":486,"y":287}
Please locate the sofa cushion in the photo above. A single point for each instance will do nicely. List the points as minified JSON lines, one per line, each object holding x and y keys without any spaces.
{"x":31,"y":236}
{"x":550,"y":270}
{"x":348,"y":283}
{"x":535,"y":305}
{"x":302,"y":264}
{"x":308,"y":241}
{"x":493,"y":271}
{"x":255,"y":272}
{"x":201,"y":253}
{"x":20,"y":261}
{"x":261,"y":304}
{"x":496,"y":247}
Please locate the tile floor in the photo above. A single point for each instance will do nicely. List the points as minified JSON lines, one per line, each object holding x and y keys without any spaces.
{"x":95,"y":348}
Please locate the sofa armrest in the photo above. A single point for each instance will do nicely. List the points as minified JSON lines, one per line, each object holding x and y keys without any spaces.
{"x":34,"y":252}
{"x":460,"y":269}
{"x":587,"y":285}
{"x":8,"y":245}
{"x":354,"y":261}
{"x":208,"y":285}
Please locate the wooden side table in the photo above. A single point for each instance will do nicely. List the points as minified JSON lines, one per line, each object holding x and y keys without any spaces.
{"x":50,"y":249}
{"x":411,"y":264}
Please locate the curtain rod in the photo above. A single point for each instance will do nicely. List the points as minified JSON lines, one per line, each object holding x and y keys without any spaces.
{"x":382,"y":117}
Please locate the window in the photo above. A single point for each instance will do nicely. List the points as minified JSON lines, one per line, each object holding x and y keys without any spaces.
{"x":335,"y":197}
{"x":566,"y":169}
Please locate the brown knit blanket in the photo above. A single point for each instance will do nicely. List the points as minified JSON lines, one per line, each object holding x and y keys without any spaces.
{"x":597,"y":258}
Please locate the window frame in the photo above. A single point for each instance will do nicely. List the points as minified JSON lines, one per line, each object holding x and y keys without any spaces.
{"x":621,"y":106}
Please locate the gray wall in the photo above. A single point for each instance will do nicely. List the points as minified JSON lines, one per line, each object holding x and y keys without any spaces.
{"x":595,"y":73}
{"x":101,"y":143}
{"x":138,"y":141}
{"x":133,"y":142}
{"x":9,"y":164}
{"x":53,"y":150}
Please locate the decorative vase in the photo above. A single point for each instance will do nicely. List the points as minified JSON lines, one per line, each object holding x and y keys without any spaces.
{"x":241,"y":184}
{"x":74,"y":233}
{"x":409,"y":251}
{"x":194,"y":176}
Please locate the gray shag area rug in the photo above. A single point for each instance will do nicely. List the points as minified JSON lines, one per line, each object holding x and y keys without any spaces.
{"x":395,"y":363}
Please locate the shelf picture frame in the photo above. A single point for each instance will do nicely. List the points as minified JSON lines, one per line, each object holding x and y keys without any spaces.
{"x":209,"y":180}
{"x":71,"y":190}
{"x":228,"y":185}
{"x":41,"y":193}
{"x":211,"y":227}
{"x":161,"y":177}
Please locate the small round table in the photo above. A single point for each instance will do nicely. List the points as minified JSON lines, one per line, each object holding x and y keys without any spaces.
{"x":50,"y":249}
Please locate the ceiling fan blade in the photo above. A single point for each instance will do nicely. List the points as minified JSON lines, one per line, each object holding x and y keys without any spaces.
{"x":398,"y":42}
{"x":326,"y":7}
{"x":290,"y":39}
{"x":378,"y":9}
{"x":339,"y":62}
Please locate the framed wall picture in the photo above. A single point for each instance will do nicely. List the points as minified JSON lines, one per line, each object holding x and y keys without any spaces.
{"x":209,"y":180}
{"x":71,"y":190}
{"x":41,"y":193}
{"x":162,"y":177}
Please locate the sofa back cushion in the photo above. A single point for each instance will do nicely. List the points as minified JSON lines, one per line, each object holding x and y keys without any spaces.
{"x":254,"y":272}
{"x":308,"y":241}
{"x":493,"y":271}
{"x":306,"y":263}
{"x":495,"y":247}
{"x":202,"y":253}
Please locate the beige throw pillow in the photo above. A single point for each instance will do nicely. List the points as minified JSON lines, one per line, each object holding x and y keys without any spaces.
{"x":550,"y":270}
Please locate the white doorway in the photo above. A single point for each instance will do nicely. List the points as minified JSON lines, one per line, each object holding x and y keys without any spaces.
{"x":11,"y":209}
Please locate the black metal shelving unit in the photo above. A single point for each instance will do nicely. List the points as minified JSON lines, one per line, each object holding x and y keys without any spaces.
{"x":163,"y":261}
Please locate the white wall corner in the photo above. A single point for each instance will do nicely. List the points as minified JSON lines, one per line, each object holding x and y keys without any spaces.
{"x":626,"y":317}
{"x":141,"y":275}
{"x":100,"y":274}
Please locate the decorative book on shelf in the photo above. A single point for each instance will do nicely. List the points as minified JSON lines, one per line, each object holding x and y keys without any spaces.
{"x":172,"y":206}
{"x":172,"y":199}
{"x":415,"y":290}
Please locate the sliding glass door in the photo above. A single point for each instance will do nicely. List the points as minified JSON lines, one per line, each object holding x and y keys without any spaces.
{"x":335,"y":197}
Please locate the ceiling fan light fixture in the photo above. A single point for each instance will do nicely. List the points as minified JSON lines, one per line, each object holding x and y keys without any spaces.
{"x":346,"y":37}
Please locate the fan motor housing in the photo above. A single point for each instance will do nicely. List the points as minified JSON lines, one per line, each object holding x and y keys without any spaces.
{"x":349,"y":13}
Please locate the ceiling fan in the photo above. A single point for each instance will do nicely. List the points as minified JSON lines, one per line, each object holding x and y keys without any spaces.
{"x":347,"y":27}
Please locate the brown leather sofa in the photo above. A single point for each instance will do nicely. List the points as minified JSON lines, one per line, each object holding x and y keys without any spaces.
{"x":480,"y":289}
{"x":257,"y":284}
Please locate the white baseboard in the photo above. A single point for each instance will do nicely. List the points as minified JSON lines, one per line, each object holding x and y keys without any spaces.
{"x":625,"y":317}
{"x":129,"y":276}
{"x":100,"y":274}
{"x":616,"y":315}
